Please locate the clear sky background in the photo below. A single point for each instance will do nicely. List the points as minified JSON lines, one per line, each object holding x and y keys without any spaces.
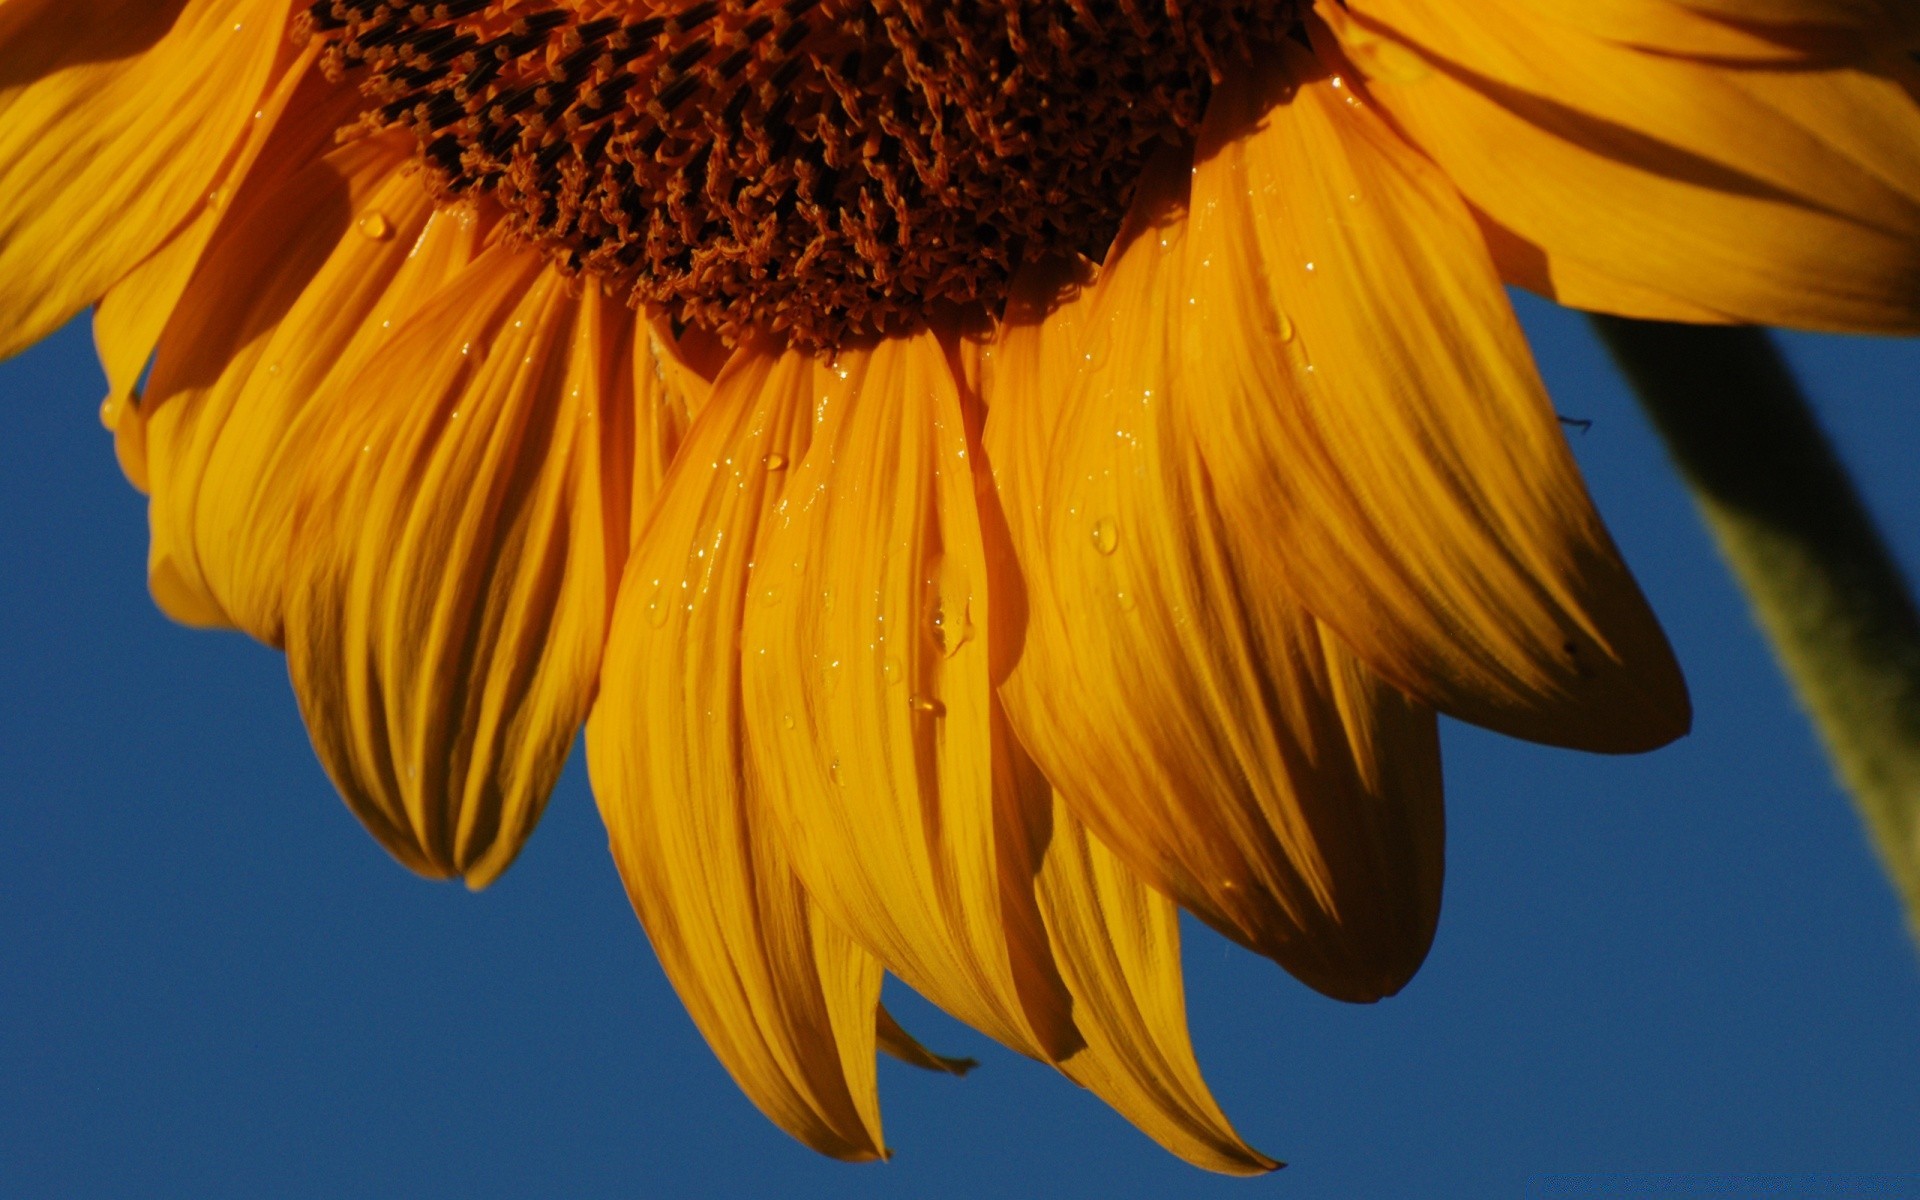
{"x":213,"y":983}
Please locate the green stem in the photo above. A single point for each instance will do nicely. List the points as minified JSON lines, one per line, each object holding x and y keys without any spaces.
{"x":1791,"y":525}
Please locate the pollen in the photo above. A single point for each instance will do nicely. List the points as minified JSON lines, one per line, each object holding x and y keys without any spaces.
{"x":825,"y":169}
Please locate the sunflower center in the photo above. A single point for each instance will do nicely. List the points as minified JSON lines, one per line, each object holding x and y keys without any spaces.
{"x":826,"y":167}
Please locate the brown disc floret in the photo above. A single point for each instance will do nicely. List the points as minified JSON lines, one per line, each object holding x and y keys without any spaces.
{"x":823,"y":167}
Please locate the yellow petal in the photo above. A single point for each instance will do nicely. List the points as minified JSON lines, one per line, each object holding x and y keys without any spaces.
{"x":902,"y":1045}
{"x":116,"y":119}
{"x":786,"y":1001}
{"x":1783,"y":195}
{"x":1365,"y":400}
{"x":869,"y":707}
{"x":1733,"y":30}
{"x":290,"y":292}
{"x":294,"y":125}
{"x":450,"y":576}
{"x":874,"y":731}
{"x":668,"y":394}
{"x":1838,"y":14}
{"x":1117,"y":942}
{"x":1186,"y":708}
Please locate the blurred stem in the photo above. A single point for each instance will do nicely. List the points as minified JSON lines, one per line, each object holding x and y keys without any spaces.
{"x":1826,"y":591}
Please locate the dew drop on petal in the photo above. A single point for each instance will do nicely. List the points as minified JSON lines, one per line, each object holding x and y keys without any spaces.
{"x":951,"y":629}
{"x":375,"y":225}
{"x":658,"y":605}
{"x":891,"y":670}
{"x":776,"y":462}
{"x":1106,"y":535}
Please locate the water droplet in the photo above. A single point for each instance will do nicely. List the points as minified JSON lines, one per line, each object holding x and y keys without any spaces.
{"x":1125,"y":600}
{"x":658,"y":606}
{"x":787,"y":720}
{"x":1106,"y":535}
{"x":771,"y":594}
{"x":376,"y":226}
{"x":826,"y":600}
{"x":891,"y":670}
{"x":1286,"y":328}
{"x":927,"y":705}
{"x":830,"y":677}
{"x":951,"y":630}
{"x":776,"y":462}
{"x":833,"y":772}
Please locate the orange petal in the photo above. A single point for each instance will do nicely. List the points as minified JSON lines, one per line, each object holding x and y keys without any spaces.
{"x":1365,"y":400}
{"x":1188,"y":711}
{"x":116,"y":120}
{"x":668,"y":394}
{"x":450,"y":575}
{"x":787,"y":1002}
{"x":900,"y":1044}
{"x":295,"y":125}
{"x":1784,"y":195}
{"x":874,"y":731}
{"x":1117,"y":943}
{"x":291,"y":292}
{"x":868,"y":701}
{"x":1734,"y":30}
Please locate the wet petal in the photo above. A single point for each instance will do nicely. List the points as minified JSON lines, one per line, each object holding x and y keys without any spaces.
{"x":116,"y":120}
{"x":1186,"y":708}
{"x":451,"y":571}
{"x":883,"y":523}
{"x":294,"y":126}
{"x":786,"y":1001}
{"x":1365,"y":399}
{"x":1783,"y":196}
{"x":869,"y":706}
{"x":291,"y":292}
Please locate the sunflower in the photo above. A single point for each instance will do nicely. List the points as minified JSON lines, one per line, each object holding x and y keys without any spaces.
{"x":986,"y":475}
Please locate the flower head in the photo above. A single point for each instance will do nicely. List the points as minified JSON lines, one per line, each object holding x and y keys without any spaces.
{"x":987,"y":475}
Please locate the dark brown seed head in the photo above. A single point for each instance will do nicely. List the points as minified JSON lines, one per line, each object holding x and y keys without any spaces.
{"x":827,"y":168}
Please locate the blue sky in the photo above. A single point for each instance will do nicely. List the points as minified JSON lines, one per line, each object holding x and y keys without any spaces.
{"x":212,"y":983}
